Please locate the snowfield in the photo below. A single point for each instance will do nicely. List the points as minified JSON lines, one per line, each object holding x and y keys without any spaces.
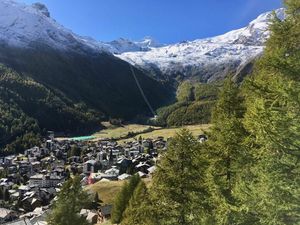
{"x":208,"y":57}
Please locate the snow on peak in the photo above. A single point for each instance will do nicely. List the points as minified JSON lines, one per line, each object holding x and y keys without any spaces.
{"x":149,"y":42}
{"x":24,"y":25}
{"x":209,"y":58}
{"x":123,"y":45}
{"x":42,"y":8}
{"x":256,"y":33}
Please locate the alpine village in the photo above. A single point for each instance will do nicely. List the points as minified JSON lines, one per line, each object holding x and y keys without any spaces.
{"x":202,"y":132}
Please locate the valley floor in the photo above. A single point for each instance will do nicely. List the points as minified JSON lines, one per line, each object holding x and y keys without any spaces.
{"x":122,"y":133}
{"x":131,"y":132}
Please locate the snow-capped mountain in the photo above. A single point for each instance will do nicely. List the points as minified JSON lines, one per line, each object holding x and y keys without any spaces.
{"x":207,"y":59}
{"x":25,"y":26}
{"x":124,"y":45}
{"x":73,"y":68}
{"x":22,"y":25}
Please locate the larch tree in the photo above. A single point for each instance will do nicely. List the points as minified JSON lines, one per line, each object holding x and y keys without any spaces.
{"x":273,"y":119}
{"x":138,"y":211}
{"x":227,"y":154}
{"x":178,"y":192}
{"x":122,"y":199}
{"x":71,"y":199}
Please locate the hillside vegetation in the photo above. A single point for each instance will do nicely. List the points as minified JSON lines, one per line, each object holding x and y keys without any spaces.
{"x":42,"y":89}
{"x":28,"y":106}
{"x":193,"y":106}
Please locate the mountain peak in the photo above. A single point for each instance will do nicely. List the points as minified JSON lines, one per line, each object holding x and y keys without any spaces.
{"x":211,"y":58}
{"x":25,"y":26}
{"x":123,"y":45}
{"x":41,"y":8}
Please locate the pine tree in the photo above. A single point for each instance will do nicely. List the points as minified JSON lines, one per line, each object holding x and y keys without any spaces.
{"x":273,"y":119}
{"x":71,"y":200}
{"x":120,"y":204}
{"x":133,"y":183}
{"x":123,"y":197}
{"x":178,"y":193}
{"x":226,"y":153}
{"x":137,"y":212}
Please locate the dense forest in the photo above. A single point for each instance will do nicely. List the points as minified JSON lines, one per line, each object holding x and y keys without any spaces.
{"x":248,"y":171}
{"x":194,"y":103}
{"x":27,"y":107}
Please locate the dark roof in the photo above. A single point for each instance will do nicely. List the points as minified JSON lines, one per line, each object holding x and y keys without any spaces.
{"x":106,"y":210}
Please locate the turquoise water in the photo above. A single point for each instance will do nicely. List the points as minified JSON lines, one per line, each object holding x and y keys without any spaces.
{"x":83,"y":138}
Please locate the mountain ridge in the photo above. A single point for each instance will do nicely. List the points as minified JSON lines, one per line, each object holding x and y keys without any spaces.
{"x":208,"y":59}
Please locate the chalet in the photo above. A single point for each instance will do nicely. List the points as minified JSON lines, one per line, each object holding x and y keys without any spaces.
{"x":106,"y":211}
{"x":113,"y":171}
{"x":143,"y":167}
{"x":36,"y":152}
{"x":24,"y":167}
{"x":23,"y":189}
{"x":124,"y":176}
{"x":89,"y":166}
{"x":8,"y":160}
{"x":102,"y":156}
{"x":36,"y":166}
{"x":134,"y":152}
{"x":41,"y":180}
{"x":141,"y":174}
{"x":5,"y":184}
{"x":31,"y":201}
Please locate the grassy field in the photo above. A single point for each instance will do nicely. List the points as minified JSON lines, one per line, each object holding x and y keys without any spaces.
{"x":107,"y":190}
{"x":122,"y":132}
{"x":170,"y":132}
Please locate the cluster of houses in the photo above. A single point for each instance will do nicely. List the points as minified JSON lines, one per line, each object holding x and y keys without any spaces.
{"x":30,"y":182}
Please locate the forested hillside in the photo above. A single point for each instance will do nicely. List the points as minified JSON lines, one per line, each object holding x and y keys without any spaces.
{"x":51,"y":90}
{"x":193,"y":106}
{"x":28,"y":107}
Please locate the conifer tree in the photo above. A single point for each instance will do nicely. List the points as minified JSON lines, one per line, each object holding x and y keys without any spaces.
{"x":71,"y":200}
{"x":226,"y":153}
{"x":178,"y":193}
{"x":137,"y":212}
{"x":273,"y":119}
{"x":123,"y":197}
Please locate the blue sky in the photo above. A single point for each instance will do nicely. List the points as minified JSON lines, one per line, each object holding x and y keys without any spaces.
{"x":168,"y":21}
